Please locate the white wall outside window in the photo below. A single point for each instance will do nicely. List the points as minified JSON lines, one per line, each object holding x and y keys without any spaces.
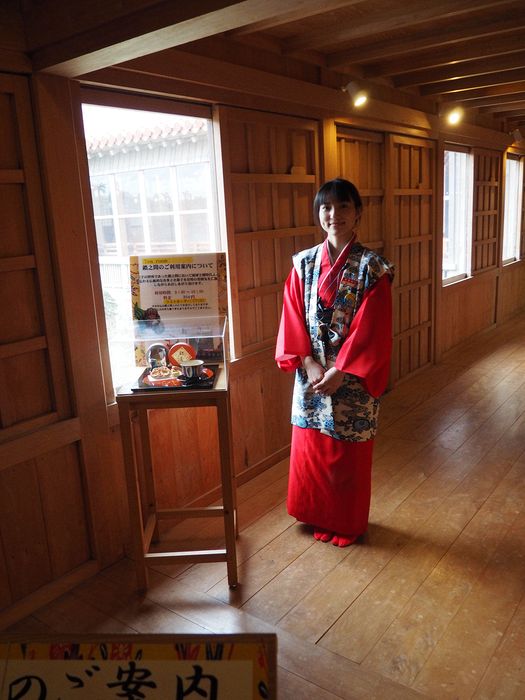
{"x":458,"y":190}
{"x":513,"y":210}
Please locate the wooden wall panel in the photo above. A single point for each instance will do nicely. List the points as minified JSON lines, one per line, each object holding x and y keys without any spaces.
{"x":511,"y":291}
{"x":410,"y":192}
{"x":65,"y":173}
{"x":276,"y":389}
{"x":44,"y":530}
{"x":20,"y":295}
{"x":522,"y":232}
{"x":478,"y":296}
{"x":487,"y":180}
{"x":44,"y":526}
{"x":360,"y":159}
{"x":261,"y":397}
{"x":9,"y":153}
{"x":398,"y":220}
{"x":32,"y":377}
{"x":248,"y":429}
{"x":15,"y":240}
{"x":5,"y":592}
{"x":23,"y":530}
{"x":26,"y":391}
{"x":270,"y":179}
{"x":61,"y":494}
{"x":185,"y":454}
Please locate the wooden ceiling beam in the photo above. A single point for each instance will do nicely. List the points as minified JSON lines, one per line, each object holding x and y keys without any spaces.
{"x":506,"y":108}
{"x":488,"y":101}
{"x":509,"y":114}
{"x":395,"y":18}
{"x":461,"y":69}
{"x":502,"y":79}
{"x":212,"y":79}
{"x":494,"y":92}
{"x":466,"y":50}
{"x":425,"y":39}
{"x":515,"y":124}
{"x":307,"y":8}
{"x":161,"y":26}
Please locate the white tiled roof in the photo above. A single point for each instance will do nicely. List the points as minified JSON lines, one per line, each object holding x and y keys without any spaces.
{"x":183,"y":128}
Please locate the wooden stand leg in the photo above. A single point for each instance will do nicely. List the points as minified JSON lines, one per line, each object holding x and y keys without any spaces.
{"x":135,"y":513}
{"x":228,"y":491}
{"x":147,"y":462}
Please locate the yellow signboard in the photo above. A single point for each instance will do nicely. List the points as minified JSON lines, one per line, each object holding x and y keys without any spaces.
{"x":149,"y":667}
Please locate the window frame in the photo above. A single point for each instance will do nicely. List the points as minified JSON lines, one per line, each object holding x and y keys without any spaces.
{"x":521,"y":209}
{"x":114,"y":98}
{"x":460,"y":277}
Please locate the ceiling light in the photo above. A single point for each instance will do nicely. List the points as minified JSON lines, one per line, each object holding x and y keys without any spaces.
{"x":358,"y":94}
{"x":516,"y":135}
{"x":454,"y":116}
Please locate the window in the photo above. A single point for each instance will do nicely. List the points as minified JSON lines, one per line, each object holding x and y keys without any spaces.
{"x":153,"y":189}
{"x":513,"y":209}
{"x":457,"y":215}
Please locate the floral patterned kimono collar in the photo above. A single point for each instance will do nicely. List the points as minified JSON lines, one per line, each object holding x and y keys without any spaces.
{"x":328,"y":283}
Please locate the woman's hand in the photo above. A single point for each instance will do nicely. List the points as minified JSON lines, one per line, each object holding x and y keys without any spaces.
{"x":330,"y":383}
{"x":314,"y":370}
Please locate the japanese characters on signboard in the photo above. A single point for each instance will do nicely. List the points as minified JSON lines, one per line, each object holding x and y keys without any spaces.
{"x":178,"y":286}
{"x":229,"y":667}
{"x":172,"y":292}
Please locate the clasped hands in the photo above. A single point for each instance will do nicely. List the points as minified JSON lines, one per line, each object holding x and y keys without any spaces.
{"x":323,"y":381}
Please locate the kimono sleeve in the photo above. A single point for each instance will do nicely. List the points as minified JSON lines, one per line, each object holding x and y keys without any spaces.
{"x":293,"y":341}
{"x":366,"y":350}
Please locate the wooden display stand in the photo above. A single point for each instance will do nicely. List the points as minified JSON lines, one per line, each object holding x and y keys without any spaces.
{"x":144,"y":514}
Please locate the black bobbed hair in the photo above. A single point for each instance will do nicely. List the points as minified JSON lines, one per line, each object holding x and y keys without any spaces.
{"x":337,"y":190}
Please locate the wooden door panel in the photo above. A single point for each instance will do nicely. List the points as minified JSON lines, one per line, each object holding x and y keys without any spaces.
{"x":411,"y":243}
{"x":397,"y":220}
{"x":63,"y":509}
{"x":43,"y":520}
{"x":44,"y":527}
{"x":5,"y":591}
{"x":248,"y":428}
{"x":9,"y":152}
{"x":271,"y":180}
{"x":15,"y":239}
{"x":487,"y":183}
{"x":270,"y":310}
{"x":261,"y":198}
{"x":270,"y":174}
{"x":244,"y":254}
{"x":19,"y":293}
{"x":360,"y":159}
{"x":25,"y":388}
{"x":23,"y":530}
{"x":284,"y":206}
{"x":248,"y":325}
{"x":287,"y":247}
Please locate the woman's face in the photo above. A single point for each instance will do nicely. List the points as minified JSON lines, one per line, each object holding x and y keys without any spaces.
{"x":338,"y":219}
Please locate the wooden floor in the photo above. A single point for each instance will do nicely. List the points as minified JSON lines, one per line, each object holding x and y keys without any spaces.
{"x":430,"y":605}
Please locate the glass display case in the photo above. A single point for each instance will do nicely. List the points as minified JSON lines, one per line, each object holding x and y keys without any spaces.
{"x":184,"y":353}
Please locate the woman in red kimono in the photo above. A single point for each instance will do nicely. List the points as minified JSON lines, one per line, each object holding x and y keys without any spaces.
{"x":336,"y":333}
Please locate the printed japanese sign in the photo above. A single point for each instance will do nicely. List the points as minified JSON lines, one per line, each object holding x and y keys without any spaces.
{"x":178,"y":286}
{"x":178,"y":289}
{"x":156,"y":667}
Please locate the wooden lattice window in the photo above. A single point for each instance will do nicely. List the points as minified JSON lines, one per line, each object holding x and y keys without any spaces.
{"x":487,"y":177}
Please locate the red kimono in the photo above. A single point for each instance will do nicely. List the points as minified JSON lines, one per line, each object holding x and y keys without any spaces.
{"x":330,"y":479}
